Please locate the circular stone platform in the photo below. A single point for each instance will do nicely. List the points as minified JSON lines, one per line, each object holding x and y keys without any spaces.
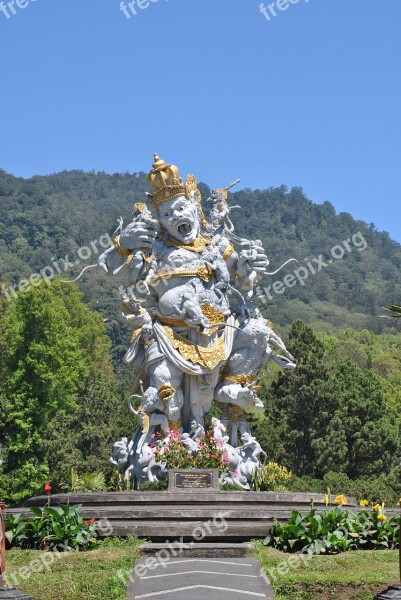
{"x":164,"y":515}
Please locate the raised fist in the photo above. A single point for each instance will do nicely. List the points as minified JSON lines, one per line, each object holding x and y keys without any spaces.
{"x":139,"y":234}
{"x":253,"y":260}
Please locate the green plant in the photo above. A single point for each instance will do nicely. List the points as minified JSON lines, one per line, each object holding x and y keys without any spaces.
{"x":395,"y":311}
{"x":89,"y":482}
{"x":72,"y":483}
{"x":150,"y":486}
{"x":62,"y":527}
{"x":382,"y":488}
{"x":94,"y":482}
{"x":231,"y":487}
{"x":271,"y":477}
{"x":306,"y":484}
{"x":336,"y":530}
{"x":15,"y":531}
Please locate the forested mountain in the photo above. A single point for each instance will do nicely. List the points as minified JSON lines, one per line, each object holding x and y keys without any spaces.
{"x":43,"y":219}
{"x":335,"y":420}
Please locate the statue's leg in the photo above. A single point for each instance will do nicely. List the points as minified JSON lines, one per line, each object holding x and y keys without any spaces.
{"x":166,"y":379}
{"x":201,"y":392}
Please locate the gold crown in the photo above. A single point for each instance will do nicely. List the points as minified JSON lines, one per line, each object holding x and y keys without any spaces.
{"x":167,"y":183}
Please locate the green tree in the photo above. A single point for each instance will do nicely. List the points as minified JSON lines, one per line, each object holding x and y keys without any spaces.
{"x":329,"y":414}
{"x":368,"y":423}
{"x":302,"y":402}
{"x":56,"y":370}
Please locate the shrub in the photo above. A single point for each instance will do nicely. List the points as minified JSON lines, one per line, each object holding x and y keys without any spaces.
{"x":271,"y":477}
{"x":306,"y":484}
{"x":153,"y":486}
{"x":382,"y":488}
{"x":89,"y":482}
{"x":62,"y":527}
{"x":336,"y":530}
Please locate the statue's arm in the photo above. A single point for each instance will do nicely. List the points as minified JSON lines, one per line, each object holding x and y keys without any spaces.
{"x":245,"y":266}
{"x":252,"y":263}
{"x":230,"y":257}
{"x":126,"y":257}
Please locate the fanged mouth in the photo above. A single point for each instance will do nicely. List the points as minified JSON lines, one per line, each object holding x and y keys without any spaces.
{"x":184,"y":228}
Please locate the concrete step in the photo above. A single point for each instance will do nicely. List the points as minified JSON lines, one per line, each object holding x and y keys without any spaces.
{"x":201,"y":550}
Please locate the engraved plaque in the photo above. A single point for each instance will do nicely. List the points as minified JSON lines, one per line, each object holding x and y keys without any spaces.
{"x":193,"y":479}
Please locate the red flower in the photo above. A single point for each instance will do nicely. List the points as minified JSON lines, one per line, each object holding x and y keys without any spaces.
{"x":89,"y":522}
{"x":47,"y":488}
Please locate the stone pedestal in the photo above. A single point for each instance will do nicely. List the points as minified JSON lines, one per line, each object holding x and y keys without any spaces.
{"x":162,"y":516}
{"x":392,"y":593}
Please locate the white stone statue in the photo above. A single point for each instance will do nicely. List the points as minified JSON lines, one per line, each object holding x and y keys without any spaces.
{"x":185,"y":330}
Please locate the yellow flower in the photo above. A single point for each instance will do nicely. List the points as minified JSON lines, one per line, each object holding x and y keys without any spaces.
{"x":326,"y":499}
{"x":341,"y":499}
{"x":376,"y":507}
{"x":364,"y":503}
{"x":382,"y":518}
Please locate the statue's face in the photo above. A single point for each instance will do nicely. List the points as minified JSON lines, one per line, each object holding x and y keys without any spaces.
{"x":245,"y":437}
{"x":180,"y":218}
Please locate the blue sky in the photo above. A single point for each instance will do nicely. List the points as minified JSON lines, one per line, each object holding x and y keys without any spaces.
{"x":310,"y":98}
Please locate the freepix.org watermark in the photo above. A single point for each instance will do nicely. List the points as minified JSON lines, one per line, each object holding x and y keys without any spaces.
{"x":10,"y":9}
{"x":312,"y":266}
{"x":273,"y":9}
{"x":58,"y":266}
{"x":216,"y":525}
{"x":132,"y":9}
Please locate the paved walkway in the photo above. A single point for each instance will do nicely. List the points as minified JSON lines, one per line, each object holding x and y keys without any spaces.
{"x":201,"y":579}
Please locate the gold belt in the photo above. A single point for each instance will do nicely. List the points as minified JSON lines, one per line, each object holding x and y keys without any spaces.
{"x":204,"y":272}
{"x":171,"y":321}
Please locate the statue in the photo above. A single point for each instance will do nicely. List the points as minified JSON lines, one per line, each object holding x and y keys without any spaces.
{"x":196,"y":334}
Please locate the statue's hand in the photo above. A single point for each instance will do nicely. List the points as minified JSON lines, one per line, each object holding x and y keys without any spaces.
{"x":139,"y":234}
{"x":248,"y":394}
{"x":251,"y":260}
{"x":248,"y":309}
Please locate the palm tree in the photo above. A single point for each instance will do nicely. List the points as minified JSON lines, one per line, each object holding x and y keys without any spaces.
{"x":395,"y":311}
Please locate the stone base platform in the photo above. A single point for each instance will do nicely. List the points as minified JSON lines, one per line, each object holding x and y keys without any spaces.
{"x":161,"y":516}
{"x":12,"y":594}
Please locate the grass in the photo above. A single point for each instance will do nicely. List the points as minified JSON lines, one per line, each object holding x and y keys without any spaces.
{"x":77,"y":575}
{"x":93,"y":575}
{"x":355,"y":575}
